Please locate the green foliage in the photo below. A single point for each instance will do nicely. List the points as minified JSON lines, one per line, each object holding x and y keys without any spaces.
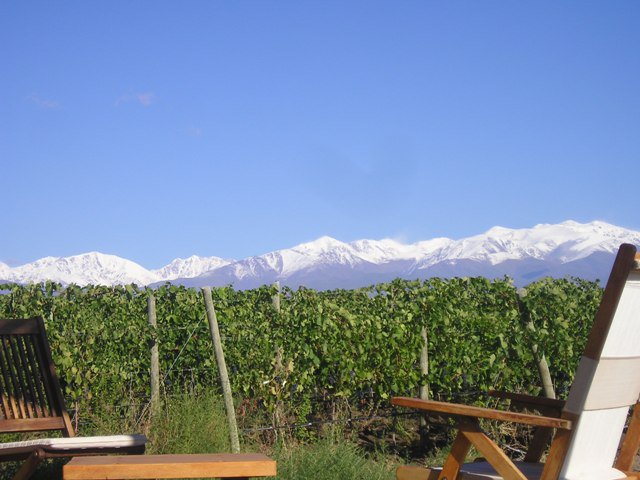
{"x":557,"y":315}
{"x":356,"y":346}
{"x":471,"y":325}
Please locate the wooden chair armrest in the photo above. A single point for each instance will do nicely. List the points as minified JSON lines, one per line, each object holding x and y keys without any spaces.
{"x":480,"y":412}
{"x":530,"y":400}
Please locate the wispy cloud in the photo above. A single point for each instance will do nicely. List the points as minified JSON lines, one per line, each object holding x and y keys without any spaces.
{"x":401,"y":237}
{"x":194,"y":131}
{"x":145,"y":99}
{"x":43,"y":102}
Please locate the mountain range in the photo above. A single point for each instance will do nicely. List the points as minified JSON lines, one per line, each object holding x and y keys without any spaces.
{"x":570,"y":248}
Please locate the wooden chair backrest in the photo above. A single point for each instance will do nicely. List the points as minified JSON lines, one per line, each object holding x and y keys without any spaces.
{"x":607,"y":381}
{"x":30,"y":394}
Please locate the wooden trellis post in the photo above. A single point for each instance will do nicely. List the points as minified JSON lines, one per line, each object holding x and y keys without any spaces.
{"x":222,"y":370}
{"x":424,"y":388}
{"x":155,"y":359}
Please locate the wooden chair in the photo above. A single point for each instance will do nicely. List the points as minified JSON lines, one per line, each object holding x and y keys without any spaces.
{"x":31,"y":401}
{"x":590,"y":423}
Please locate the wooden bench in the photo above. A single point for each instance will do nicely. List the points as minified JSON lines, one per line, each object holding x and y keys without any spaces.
{"x":224,"y":465}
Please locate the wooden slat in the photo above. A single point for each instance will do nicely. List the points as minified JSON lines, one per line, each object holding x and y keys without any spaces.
{"x":530,"y":400}
{"x":43,"y":400}
{"x":31,"y":424}
{"x":18,"y":327}
{"x":6,"y":407}
{"x":170,"y":466}
{"x":18,"y":367}
{"x":6,"y":413}
{"x":12,"y":387}
{"x":4,"y":366}
{"x":27,"y":374}
{"x":479,"y":412}
{"x":56,"y":399}
{"x":16,"y":372}
{"x":44,"y":376}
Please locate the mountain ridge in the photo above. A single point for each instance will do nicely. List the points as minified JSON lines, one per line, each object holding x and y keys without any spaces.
{"x":569,"y":248}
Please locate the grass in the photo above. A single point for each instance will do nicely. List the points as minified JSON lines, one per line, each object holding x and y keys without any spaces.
{"x":196,"y":423}
{"x":189,"y":424}
{"x":329,"y":460}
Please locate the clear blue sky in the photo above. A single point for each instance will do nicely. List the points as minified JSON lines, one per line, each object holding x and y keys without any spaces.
{"x":158,"y":129}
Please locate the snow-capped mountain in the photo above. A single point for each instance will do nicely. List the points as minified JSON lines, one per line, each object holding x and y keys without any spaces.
{"x":96,"y":268}
{"x":5,"y":270}
{"x":568,"y":248}
{"x":89,"y":268}
{"x":189,"y":267}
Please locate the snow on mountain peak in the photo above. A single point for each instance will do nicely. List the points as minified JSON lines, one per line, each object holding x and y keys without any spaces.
{"x":324,"y":250}
{"x":190,"y":267}
{"x":544,"y":249}
{"x":382,"y":251}
{"x":498,"y":231}
{"x":564,"y":242}
{"x":83,"y":269}
{"x":320,"y":245}
{"x":5,"y":270}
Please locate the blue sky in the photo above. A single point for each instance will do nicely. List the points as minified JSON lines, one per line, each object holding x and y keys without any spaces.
{"x":161,"y":129}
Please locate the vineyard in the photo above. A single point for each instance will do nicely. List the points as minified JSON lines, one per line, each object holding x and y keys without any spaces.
{"x":357,"y":347}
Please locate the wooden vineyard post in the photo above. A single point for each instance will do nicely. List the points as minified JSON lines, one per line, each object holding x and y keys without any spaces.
{"x":545,"y":375}
{"x":277,"y":364}
{"x":541,"y":360}
{"x":424,"y":388}
{"x":222,"y":370}
{"x":155,"y":359}
{"x":276,"y":305}
{"x":276,"y":298}
{"x":424,"y":363}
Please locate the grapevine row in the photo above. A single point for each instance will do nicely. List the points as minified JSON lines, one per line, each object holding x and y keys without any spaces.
{"x":358,"y":345}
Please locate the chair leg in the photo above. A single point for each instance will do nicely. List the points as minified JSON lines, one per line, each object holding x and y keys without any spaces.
{"x":492,"y":452}
{"x":631,"y":442}
{"x":556,"y":455}
{"x":457,"y":454}
{"x":30,"y":465}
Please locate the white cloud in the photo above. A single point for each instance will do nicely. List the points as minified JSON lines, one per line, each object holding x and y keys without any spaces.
{"x":146,"y":98}
{"x":143,"y":98}
{"x":43,"y":102}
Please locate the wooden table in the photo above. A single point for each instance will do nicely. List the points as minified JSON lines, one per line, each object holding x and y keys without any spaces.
{"x":124,"y":467}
